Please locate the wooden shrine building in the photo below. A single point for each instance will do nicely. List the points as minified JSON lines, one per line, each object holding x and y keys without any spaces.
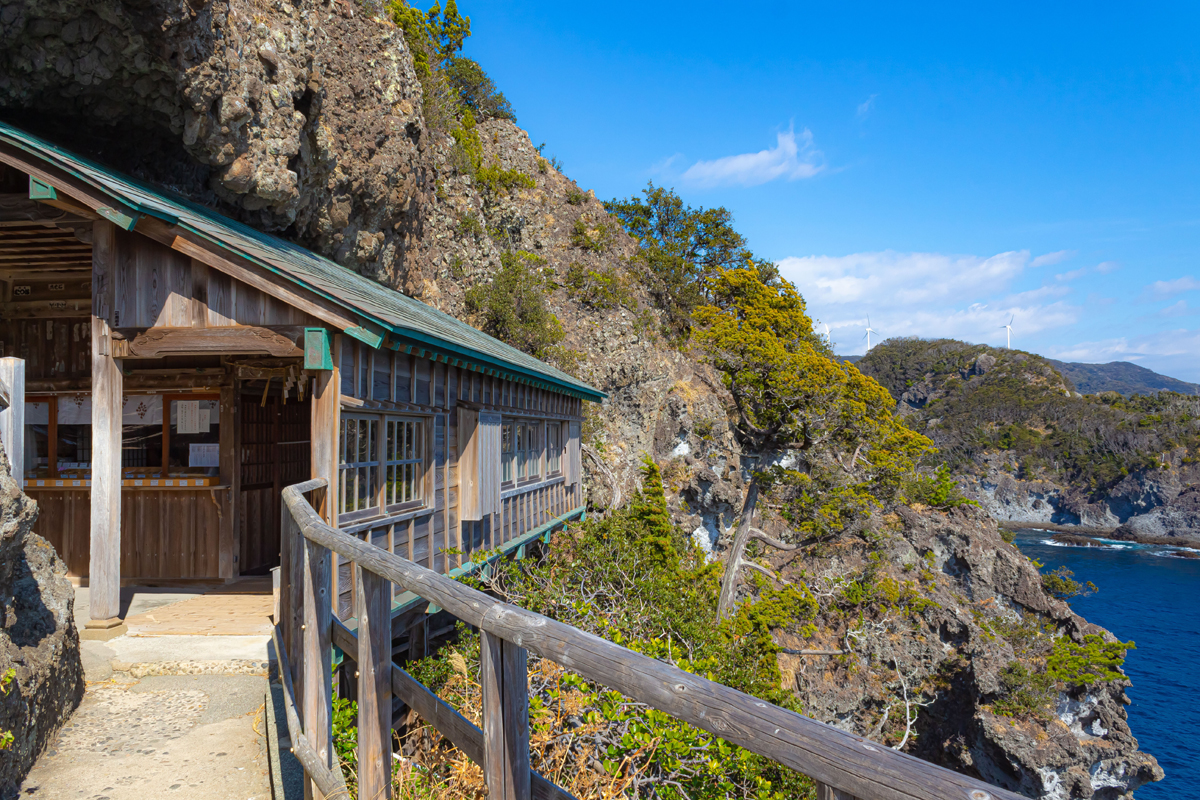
{"x":182,"y":368}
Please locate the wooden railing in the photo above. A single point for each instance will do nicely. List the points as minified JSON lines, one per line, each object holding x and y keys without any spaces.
{"x":844,"y":766}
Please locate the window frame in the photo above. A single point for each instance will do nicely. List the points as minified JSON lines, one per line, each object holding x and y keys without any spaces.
{"x":520,"y":456}
{"x":380,"y":463}
{"x":556,"y":426}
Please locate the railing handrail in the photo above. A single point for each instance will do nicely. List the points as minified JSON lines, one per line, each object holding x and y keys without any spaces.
{"x":841,"y":760}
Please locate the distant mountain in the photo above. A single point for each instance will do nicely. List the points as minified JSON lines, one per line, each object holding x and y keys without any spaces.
{"x":851,"y":359}
{"x":1120,"y":376}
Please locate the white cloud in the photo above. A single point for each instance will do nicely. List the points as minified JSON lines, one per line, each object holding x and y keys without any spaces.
{"x":1050,"y":259}
{"x":927,"y":294}
{"x":1179,"y":309}
{"x":1072,"y":275}
{"x":1159,"y":345}
{"x":1165,"y":290}
{"x":865,"y":107}
{"x":1105,"y":267}
{"x":792,"y":158}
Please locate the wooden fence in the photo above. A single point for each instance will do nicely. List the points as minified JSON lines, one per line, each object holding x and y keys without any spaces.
{"x":844,"y":766}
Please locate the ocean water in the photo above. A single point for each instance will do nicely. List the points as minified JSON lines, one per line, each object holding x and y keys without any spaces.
{"x":1154,"y":599}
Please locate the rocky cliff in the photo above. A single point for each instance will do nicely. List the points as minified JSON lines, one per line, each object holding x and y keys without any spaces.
{"x":932,"y":619}
{"x":1031,"y":449}
{"x":308,"y":120}
{"x":41,"y":676}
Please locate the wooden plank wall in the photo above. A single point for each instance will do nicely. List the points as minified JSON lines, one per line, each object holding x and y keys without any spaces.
{"x":165,"y":534}
{"x":160,"y":287}
{"x":424,"y":387}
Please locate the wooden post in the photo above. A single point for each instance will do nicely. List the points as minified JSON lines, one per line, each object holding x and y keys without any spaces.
{"x":104,"y":578}
{"x":326,"y":410}
{"x":12,"y":415}
{"x":318,"y":657}
{"x":505,"y":684}
{"x":231,"y":469}
{"x":291,"y":586}
{"x":374,"y":684}
{"x":827,"y":792}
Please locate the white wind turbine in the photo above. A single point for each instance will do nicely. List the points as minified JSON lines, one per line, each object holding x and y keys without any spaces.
{"x":1007,"y":329}
{"x":826,"y":324}
{"x":870,"y":330}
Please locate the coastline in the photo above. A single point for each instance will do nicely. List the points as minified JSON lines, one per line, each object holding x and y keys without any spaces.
{"x":1090,"y":533}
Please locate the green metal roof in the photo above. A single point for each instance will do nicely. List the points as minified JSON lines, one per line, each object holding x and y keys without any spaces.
{"x":397,"y":313}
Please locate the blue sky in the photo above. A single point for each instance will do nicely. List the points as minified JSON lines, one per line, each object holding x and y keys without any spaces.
{"x":940,"y":169}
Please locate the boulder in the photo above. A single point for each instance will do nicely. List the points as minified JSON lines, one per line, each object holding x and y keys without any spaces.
{"x":39,"y":646}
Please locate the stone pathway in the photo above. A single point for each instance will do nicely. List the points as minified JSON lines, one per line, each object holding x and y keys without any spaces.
{"x":168,"y":716}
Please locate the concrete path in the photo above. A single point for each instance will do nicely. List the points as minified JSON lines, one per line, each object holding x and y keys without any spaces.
{"x":170,"y":716}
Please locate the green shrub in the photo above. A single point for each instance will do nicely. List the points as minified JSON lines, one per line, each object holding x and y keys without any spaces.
{"x":593,"y":239}
{"x":469,"y":225}
{"x":1007,"y":535}
{"x":575,"y":197}
{"x":345,"y":739}
{"x":1094,"y":660}
{"x":1025,"y":692}
{"x":493,"y":179}
{"x":601,"y":289}
{"x":513,"y":306}
{"x":6,"y":681}
{"x":939,"y":490}
{"x":1062,"y":584}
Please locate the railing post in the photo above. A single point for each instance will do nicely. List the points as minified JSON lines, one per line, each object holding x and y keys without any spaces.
{"x":373,"y":609}
{"x":318,"y":657}
{"x":827,"y":792}
{"x":505,"y":682}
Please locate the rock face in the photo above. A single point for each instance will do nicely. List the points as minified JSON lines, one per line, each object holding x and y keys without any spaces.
{"x":38,"y":641}
{"x":1161,"y":505}
{"x":934,"y":667}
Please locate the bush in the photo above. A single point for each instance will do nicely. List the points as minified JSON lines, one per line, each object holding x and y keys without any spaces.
{"x":513,"y":306}
{"x":601,"y":289}
{"x":493,"y":179}
{"x":1062,"y":584}
{"x":1094,"y":660}
{"x":593,"y":239}
{"x":575,"y":197}
{"x":939,"y":490}
{"x":635,"y":579}
{"x":1025,"y":692}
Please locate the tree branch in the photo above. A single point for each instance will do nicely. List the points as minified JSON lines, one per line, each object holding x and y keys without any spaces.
{"x":755,"y":533}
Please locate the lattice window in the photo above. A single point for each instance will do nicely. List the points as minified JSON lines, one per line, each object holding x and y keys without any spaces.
{"x":404,"y":459}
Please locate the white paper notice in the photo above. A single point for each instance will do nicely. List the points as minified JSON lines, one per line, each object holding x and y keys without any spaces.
{"x":204,"y":455}
{"x":205,"y":418}
{"x":187,"y":419}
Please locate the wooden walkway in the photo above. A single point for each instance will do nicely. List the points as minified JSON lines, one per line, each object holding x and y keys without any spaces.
{"x":239,"y":609}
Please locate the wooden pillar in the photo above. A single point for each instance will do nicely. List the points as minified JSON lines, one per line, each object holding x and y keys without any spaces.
{"x":505,"y":685}
{"x":104,"y":576}
{"x":12,"y":416}
{"x":317,"y":719}
{"x":228,"y":541}
{"x":373,"y":611}
{"x":326,"y":412}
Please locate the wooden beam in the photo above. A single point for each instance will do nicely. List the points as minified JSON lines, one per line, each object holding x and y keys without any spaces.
{"x":161,"y":342}
{"x":250,"y":273}
{"x":373,"y":611}
{"x":107,"y":397}
{"x":92,"y":198}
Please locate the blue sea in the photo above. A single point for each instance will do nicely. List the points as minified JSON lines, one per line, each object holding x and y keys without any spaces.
{"x":1154,"y":599}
